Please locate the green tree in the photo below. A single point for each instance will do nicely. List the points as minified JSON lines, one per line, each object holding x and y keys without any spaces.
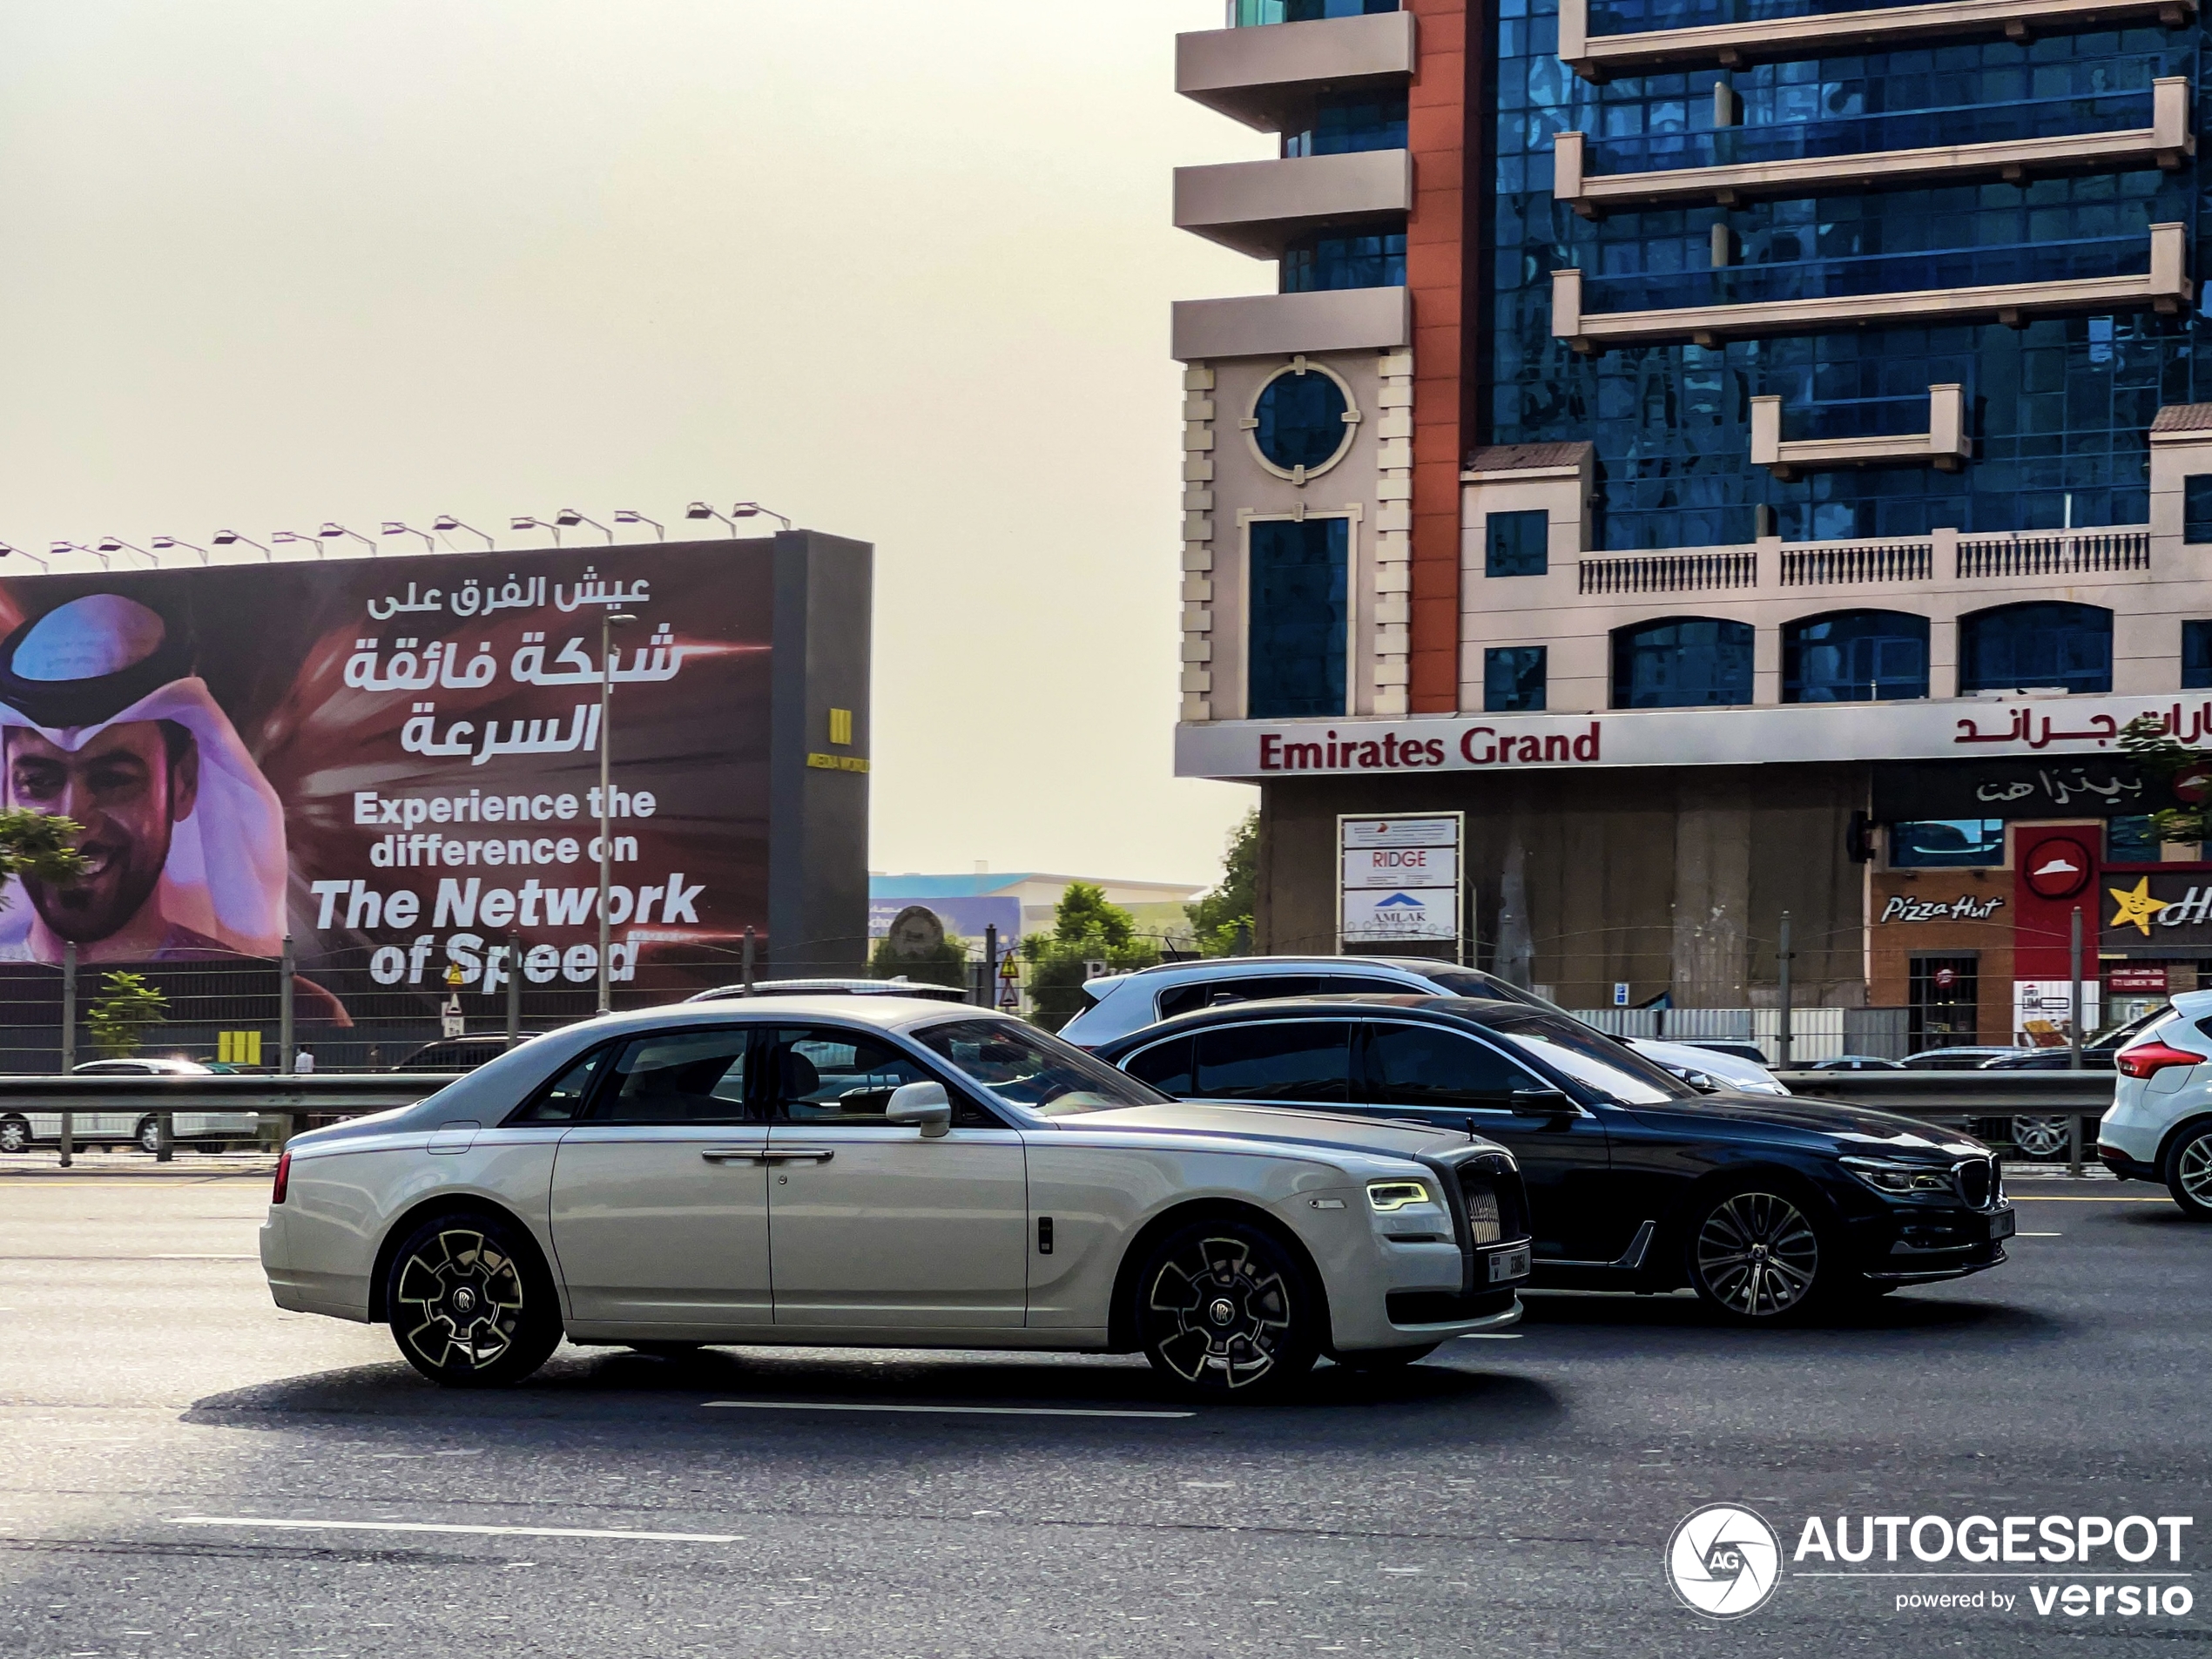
{"x":127,"y":1005}
{"x":1085,"y":929}
{"x":1223,"y":919}
{"x":2185,"y":774}
{"x":34,"y":843}
{"x":946,"y":965}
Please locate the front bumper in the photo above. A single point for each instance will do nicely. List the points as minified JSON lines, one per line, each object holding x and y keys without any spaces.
{"x":1916,"y":1245}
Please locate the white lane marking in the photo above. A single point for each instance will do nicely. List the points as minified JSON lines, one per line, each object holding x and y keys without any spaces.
{"x":439,"y":1527}
{"x":947,"y":1411}
{"x":1491,"y":1336}
{"x":2029,"y":1235}
{"x":196,"y":1256}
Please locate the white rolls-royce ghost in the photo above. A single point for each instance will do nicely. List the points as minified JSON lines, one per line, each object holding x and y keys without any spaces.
{"x":885,"y":1172}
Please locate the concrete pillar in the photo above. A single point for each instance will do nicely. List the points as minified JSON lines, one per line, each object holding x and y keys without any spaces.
{"x":1712,"y":896}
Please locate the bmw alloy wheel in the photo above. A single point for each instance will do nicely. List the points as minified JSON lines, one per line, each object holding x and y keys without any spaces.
{"x":1226,"y":1311}
{"x":1756,"y":1256}
{"x":2040,"y":1137}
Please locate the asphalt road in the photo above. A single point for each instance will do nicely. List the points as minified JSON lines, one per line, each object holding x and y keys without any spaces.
{"x":185,"y":1470}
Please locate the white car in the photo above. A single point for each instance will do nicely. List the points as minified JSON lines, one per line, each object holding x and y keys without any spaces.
{"x":1121,"y":1004}
{"x":20,"y":1131}
{"x":885,"y":1172}
{"x":2160,"y":1127}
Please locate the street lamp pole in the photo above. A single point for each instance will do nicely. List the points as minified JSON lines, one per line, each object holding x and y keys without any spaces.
{"x":608,"y":620}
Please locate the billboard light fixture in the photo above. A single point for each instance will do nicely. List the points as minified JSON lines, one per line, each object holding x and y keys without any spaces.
{"x":20,"y":552}
{"x":330,"y":532}
{"x":59,"y":547}
{"x":631,"y":516}
{"x":754,"y":509}
{"x":700,"y":509}
{"x":393,"y":527}
{"x":315,"y":542}
{"x":569,"y":518}
{"x":445,"y":521}
{"x":117,"y":545}
{"x":232,"y":538}
{"x":165,"y":544}
{"x":529,"y":522}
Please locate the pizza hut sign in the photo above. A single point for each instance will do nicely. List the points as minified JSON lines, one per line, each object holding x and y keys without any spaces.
{"x":1964,"y":908}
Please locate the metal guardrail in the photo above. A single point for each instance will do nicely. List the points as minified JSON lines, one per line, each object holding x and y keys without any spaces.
{"x":290,"y":1100}
{"x":2080,"y":1098}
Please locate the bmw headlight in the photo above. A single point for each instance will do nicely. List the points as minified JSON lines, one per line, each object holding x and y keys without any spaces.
{"x":1902,"y":1180}
{"x":1389,"y":1195}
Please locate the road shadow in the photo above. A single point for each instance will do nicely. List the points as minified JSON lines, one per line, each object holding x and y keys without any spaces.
{"x":1956,"y":1321}
{"x":599,"y":1385}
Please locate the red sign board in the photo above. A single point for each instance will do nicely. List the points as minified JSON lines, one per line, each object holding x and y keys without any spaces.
{"x":2058,"y":868}
{"x":2136,"y":981}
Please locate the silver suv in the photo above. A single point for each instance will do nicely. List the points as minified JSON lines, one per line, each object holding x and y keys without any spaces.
{"x":1121,"y":1004}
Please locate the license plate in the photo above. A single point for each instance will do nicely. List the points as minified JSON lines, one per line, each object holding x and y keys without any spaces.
{"x":2002,"y":1224}
{"x":1509,"y":1263}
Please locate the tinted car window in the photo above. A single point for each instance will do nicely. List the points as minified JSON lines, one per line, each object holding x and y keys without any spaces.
{"x":827,"y":1075}
{"x":1612,"y":1069}
{"x":1021,"y":1064}
{"x":1345,"y":985}
{"x":1212,"y":993}
{"x":1293,"y":1060}
{"x":563,"y":1099}
{"x":677,"y":1077}
{"x":1425,"y":1065}
{"x":1166,"y":1066}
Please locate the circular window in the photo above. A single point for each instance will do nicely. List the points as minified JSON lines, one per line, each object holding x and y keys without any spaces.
{"x":1302,"y":421}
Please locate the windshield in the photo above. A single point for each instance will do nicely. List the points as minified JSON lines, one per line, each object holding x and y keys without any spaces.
{"x":2113,"y":1035}
{"x":1592,"y":1059}
{"x":1024,"y":1066}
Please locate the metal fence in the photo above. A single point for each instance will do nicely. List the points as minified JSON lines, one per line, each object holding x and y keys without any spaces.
{"x":1815,"y":1033}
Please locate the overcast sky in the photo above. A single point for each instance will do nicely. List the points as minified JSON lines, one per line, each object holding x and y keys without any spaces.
{"x":900,"y":271}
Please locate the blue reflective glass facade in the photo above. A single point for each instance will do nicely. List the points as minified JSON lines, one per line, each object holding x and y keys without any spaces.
{"x":1947,"y":843}
{"x":1249,"y":12}
{"x":1518,"y":543}
{"x":2043,"y":645}
{"x":2196,"y":655}
{"x":1513,"y":679}
{"x":1343,"y":122}
{"x":1855,"y":656}
{"x":1299,"y":590}
{"x":1373,"y":258}
{"x":2196,"y":508}
{"x":2059,"y":410}
{"x":2130,"y":841}
{"x":1680,"y":662}
{"x":1301,"y":419}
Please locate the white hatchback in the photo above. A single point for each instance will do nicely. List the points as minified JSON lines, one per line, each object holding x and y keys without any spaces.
{"x":2160,"y":1127}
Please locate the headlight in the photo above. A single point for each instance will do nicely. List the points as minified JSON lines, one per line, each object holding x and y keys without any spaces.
{"x":1386,"y":1196}
{"x":1901,"y":1180}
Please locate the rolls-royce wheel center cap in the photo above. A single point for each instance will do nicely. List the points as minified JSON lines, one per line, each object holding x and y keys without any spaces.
{"x":464,"y":1301}
{"x":1223,"y":1310}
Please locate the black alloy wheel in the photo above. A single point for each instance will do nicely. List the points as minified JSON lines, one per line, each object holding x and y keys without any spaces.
{"x":1227,"y":1311}
{"x":15,"y":1135}
{"x":2189,"y":1171}
{"x":469,"y":1305}
{"x":1758,"y":1256}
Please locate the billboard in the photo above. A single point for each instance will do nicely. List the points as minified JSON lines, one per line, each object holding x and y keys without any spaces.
{"x":396,"y":762}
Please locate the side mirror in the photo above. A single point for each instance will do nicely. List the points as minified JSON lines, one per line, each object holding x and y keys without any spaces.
{"x":1546,"y":1103}
{"x":925,"y":1105}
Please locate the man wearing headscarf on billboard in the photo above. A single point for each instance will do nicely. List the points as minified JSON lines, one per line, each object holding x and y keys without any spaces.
{"x":107,"y":722}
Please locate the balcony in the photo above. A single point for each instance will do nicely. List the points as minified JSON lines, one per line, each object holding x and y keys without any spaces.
{"x":1945,"y":445}
{"x":1982,"y":559}
{"x":1263,"y":76}
{"x":2164,"y":288}
{"x":1259,"y":206}
{"x":1670,"y":572}
{"x":2166,"y":143}
{"x":1728,"y":45}
{"x":1836,"y":564}
{"x":1284,"y":325}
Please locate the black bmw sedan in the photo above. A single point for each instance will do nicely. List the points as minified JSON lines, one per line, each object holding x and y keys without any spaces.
{"x":1767,"y":1207}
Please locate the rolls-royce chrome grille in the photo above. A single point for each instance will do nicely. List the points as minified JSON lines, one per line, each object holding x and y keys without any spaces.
{"x":1497,"y":1208}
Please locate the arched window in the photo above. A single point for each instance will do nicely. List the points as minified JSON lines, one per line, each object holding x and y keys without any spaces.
{"x":2045,"y":645}
{"x":1682,"y":662}
{"x":1855,"y":656}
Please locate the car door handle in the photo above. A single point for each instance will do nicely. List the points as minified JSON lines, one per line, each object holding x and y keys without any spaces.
{"x":798,"y":1155}
{"x":734,"y":1155}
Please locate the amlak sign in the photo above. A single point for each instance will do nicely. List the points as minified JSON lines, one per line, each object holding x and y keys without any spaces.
{"x":1399,"y":879}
